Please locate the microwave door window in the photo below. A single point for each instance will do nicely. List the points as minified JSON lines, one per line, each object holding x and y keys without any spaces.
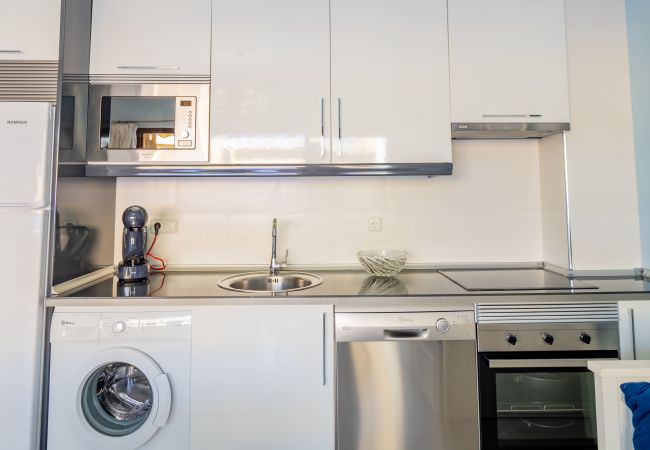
{"x":130,"y":123}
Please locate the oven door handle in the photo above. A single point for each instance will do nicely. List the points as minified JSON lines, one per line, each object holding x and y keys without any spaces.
{"x":541,"y":363}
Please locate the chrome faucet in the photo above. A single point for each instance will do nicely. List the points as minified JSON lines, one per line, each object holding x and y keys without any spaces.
{"x":275,"y":266}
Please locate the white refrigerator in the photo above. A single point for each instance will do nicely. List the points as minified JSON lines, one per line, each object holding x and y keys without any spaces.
{"x":26,"y":145}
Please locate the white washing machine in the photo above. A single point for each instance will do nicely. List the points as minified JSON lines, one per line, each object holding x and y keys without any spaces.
{"x":120,"y":379}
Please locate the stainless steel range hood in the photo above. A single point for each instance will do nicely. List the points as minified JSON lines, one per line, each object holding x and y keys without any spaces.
{"x":503,"y":130}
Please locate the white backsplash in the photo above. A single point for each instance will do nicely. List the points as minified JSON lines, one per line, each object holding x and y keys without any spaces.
{"x":488,"y":211}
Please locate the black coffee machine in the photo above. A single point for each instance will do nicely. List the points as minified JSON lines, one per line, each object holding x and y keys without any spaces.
{"x":134,"y":267}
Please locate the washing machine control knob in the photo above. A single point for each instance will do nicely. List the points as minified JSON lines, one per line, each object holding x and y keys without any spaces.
{"x":119,"y":327}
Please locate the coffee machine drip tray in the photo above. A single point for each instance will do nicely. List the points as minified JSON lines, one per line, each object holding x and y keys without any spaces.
{"x":513,"y":280}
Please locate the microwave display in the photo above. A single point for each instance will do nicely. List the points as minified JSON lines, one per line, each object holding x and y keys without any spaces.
{"x":147,"y":123}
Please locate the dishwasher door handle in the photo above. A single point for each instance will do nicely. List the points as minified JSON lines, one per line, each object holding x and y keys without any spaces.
{"x":401,"y":334}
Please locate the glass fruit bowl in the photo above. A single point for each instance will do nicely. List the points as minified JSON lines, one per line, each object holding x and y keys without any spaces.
{"x":382,"y":263}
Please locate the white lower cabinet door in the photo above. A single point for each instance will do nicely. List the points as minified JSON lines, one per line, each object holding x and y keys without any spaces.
{"x":390,"y":82}
{"x":263,"y":378}
{"x":634,"y":329}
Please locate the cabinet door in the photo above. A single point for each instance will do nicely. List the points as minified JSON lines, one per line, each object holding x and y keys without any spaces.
{"x":263,"y":378}
{"x":508,"y":61}
{"x":30,"y":30}
{"x":156,"y":37}
{"x":390,"y":81}
{"x":21,"y":326}
{"x":270,"y":82}
{"x":25,"y":174}
{"x":634,"y":329}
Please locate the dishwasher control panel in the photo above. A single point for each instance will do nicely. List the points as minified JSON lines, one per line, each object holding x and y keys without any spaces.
{"x":408,"y":326}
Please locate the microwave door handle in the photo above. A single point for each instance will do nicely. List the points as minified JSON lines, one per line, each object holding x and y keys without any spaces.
{"x":541,"y":363}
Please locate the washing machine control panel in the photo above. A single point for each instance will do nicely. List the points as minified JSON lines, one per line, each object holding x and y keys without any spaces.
{"x":94,"y":326}
{"x":145,"y":326}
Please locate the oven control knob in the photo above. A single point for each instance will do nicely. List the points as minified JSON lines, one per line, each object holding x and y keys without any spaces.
{"x":442,"y":325}
{"x":511,"y":339}
{"x":548,"y":338}
{"x":119,"y":327}
{"x":585,"y":338}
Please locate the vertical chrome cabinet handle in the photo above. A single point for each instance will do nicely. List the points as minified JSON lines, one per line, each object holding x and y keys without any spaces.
{"x":12,"y":52}
{"x":322,"y":128}
{"x":340,"y":134}
{"x":633,"y":327}
{"x":324,"y":348}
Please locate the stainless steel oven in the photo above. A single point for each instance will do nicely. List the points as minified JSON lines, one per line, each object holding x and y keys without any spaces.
{"x":534,"y":386}
{"x":148,"y":123}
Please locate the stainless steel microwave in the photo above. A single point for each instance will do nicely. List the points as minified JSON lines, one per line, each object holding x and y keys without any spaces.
{"x":148,"y":123}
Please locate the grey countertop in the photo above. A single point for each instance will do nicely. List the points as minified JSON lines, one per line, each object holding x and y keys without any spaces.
{"x":345,"y":289}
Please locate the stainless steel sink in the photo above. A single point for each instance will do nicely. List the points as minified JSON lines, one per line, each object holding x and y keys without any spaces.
{"x":264,"y":282}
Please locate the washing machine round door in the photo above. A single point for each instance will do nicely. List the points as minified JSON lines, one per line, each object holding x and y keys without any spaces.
{"x":122,"y":399}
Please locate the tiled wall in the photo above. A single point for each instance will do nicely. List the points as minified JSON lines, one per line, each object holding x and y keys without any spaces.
{"x":488,"y":211}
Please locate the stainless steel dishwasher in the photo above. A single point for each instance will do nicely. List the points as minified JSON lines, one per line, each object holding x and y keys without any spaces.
{"x":407,"y":381}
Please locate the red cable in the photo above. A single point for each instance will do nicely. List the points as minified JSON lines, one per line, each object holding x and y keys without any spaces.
{"x":163,"y":265}
{"x":162,"y":284}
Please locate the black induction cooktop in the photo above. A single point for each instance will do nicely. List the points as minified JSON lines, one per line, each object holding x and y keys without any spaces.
{"x":513,"y":280}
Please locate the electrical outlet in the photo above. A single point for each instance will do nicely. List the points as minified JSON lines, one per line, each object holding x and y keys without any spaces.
{"x":375,"y":224}
{"x":150,"y":228}
{"x":167,"y":226}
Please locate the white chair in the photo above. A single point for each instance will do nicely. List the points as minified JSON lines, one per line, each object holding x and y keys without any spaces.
{"x":614,"y":417}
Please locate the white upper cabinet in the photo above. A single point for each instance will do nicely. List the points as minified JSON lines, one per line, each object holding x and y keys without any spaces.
{"x":30,"y":30}
{"x":390,"y":82}
{"x":508,"y":61}
{"x":270,"y":82}
{"x":263,"y":378}
{"x":155,"y":37}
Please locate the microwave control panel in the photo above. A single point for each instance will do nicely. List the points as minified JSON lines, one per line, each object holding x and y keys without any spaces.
{"x":185,"y":129}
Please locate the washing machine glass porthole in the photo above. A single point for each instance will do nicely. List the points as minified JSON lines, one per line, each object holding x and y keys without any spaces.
{"x":116,"y":399}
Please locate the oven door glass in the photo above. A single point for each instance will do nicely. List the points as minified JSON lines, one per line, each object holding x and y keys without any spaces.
{"x":142,"y":123}
{"x":537,"y":407}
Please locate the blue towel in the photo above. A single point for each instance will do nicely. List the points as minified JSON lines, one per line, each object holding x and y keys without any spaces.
{"x":637,"y":398}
